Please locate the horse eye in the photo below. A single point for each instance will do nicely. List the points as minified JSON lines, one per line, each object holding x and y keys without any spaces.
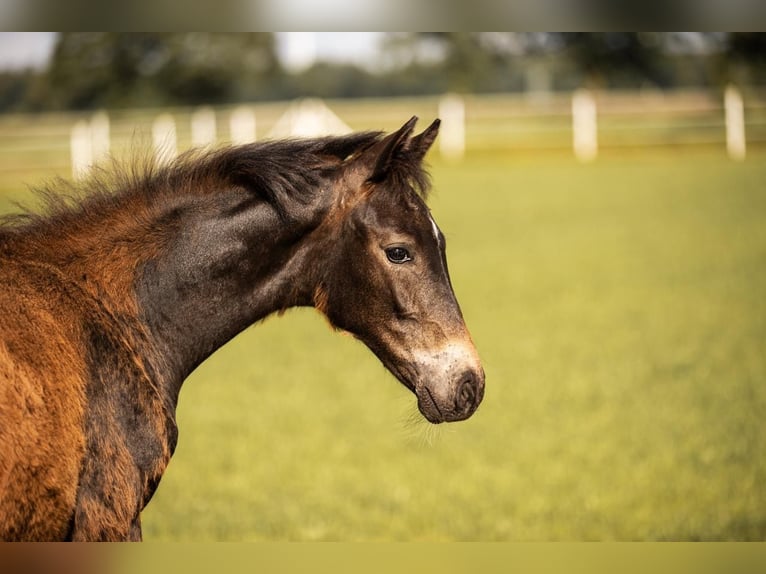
{"x":398,"y":255}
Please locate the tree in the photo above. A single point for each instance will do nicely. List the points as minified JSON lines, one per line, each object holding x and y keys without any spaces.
{"x":14,"y":87}
{"x":218,"y":67}
{"x":503,"y":61}
{"x":111,"y":69}
{"x":609,"y":58}
{"x":744,"y":58}
{"x":467,"y":61}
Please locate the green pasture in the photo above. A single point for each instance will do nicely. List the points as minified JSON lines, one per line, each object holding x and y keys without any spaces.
{"x":620,"y":311}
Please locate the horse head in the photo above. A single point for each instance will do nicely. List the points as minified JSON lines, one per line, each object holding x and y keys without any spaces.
{"x":384,"y":276}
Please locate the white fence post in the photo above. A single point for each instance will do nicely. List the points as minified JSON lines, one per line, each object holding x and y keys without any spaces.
{"x":99,"y":134}
{"x":452,"y":133}
{"x":203,"y":128}
{"x":242,"y":125}
{"x":584,"y":125}
{"x":735,"y":123}
{"x":81,"y":148}
{"x":89,"y":143}
{"x":164,"y":138}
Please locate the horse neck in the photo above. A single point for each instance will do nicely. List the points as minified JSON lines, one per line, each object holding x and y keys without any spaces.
{"x":180,"y":271}
{"x":96,"y":250}
{"x":231,"y":260}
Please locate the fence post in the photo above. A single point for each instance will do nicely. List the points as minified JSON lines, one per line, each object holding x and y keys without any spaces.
{"x":99,"y":134}
{"x":203,"y":128}
{"x":164,"y":138}
{"x":452,"y":133}
{"x":81,"y":149}
{"x":584,"y":125}
{"x":735,"y":123}
{"x":242,"y":125}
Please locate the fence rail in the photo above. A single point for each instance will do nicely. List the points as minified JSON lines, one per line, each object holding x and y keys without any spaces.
{"x":43,"y":144}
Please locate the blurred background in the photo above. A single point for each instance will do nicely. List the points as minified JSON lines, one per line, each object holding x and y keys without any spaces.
{"x":581,"y":93}
{"x":604,"y":200}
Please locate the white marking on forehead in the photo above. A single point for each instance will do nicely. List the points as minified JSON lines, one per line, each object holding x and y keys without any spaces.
{"x":436,"y":231}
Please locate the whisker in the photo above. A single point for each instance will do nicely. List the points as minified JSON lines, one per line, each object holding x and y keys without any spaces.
{"x":418,"y":431}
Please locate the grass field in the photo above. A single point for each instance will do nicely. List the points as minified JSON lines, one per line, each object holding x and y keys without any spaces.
{"x":620,"y":312}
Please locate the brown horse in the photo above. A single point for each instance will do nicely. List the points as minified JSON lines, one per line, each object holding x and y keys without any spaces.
{"x":129,"y":281}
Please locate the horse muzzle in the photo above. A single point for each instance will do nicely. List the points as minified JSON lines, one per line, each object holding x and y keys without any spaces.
{"x":455,"y":400}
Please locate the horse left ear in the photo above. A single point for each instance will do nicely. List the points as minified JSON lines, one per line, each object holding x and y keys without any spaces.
{"x":391,"y":146}
{"x":421,"y":143}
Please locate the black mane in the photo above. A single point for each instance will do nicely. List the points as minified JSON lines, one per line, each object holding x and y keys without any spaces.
{"x":275,"y":171}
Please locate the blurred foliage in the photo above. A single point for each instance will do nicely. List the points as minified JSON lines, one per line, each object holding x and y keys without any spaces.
{"x":14,"y":87}
{"x":504,"y":61}
{"x":113,"y":70}
{"x":617,"y":56}
{"x":109,"y":69}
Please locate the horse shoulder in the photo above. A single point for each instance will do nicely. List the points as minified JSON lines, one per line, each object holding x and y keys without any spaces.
{"x":42,"y":396}
{"x":129,"y":434}
{"x":84,"y":439}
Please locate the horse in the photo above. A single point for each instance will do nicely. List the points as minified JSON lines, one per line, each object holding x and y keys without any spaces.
{"x":116,"y":290}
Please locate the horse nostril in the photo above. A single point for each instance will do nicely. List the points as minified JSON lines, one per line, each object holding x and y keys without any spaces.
{"x":466,"y":395}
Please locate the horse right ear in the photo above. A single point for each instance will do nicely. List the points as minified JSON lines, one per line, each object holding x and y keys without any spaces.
{"x":391,"y":145}
{"x":421,"y":143}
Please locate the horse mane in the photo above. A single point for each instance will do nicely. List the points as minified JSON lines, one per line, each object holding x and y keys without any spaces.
{"x":277,"y":172}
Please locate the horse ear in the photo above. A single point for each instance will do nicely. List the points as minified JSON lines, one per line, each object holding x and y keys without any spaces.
{"x":421,"y":143}
{"x":390,"y":147}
